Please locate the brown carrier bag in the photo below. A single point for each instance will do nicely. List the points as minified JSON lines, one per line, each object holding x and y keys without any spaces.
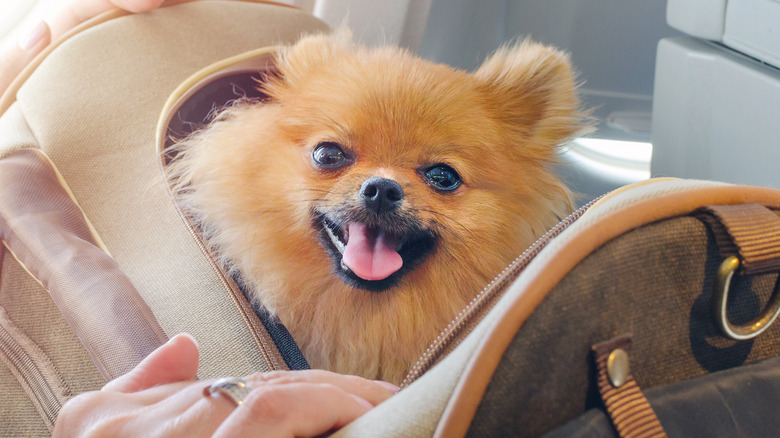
{"x":97,"y":267}
{"x":632,"y":292}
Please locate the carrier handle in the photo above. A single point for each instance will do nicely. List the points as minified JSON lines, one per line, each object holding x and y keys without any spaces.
{"x":720,"y":295}
{"x":748,"y":236}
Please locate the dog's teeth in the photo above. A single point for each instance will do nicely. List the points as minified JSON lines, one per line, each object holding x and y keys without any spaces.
{"x":333,"y":238}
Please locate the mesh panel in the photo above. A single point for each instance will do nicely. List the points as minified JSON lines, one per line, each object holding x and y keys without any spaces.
{"x":34,"y":313}
{"x":48,"y":234}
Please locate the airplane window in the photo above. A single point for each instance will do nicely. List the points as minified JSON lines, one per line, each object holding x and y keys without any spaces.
{"x":626,"y":159}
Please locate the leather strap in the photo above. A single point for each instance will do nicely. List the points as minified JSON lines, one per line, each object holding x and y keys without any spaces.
{"x":750,"y":230}
{"x":626,"y":405}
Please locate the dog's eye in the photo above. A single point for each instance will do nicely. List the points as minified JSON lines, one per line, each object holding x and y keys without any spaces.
{"x":442,"y":177}
{"x":329,"y":155}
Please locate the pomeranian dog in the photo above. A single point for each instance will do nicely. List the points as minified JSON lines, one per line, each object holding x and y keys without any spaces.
{"x":372,"y":194}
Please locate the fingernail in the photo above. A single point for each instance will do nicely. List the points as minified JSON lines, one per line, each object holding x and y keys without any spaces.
{"x":30,"y":38}
{"x":394,"y":389}
{"x":184,"y":335}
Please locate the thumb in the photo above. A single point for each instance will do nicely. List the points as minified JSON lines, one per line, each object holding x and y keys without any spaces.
{"x":174,"y":361}
{"x":14,"y":57}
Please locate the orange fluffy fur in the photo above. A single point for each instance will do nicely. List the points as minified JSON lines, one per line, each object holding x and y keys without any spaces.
{"x":250,"y":182}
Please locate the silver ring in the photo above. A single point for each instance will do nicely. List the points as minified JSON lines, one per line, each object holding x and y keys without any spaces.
{"x":232,"y":388}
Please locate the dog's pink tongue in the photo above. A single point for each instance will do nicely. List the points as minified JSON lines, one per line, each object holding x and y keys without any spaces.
{"x":371,"y":254}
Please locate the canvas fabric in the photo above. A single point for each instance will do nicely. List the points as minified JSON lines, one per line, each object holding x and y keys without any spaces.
{"x":90,"y":108}
{"x":654,"y":283}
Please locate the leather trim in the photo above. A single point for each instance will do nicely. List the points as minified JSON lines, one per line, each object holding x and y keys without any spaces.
{"x":460,"y":410}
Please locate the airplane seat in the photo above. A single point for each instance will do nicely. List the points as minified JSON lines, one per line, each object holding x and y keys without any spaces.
{"x":716,"y":94}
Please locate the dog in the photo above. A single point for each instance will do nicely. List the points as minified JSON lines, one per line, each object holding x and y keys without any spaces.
{"x":372,"y":194}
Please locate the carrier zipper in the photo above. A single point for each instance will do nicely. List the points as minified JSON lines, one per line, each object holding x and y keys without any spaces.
{"x":458,"y":328}
{"x":32,"y":376}
{"x":236,"y":295}
{"x":265,"y":346}
{"x":268,"y":349}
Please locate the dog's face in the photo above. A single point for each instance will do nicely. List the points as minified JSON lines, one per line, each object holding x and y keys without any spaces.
{"x":403,"y":160}
{"x":374,"y":162}
{"x":405,"y":170}
{"x":382,"y":186}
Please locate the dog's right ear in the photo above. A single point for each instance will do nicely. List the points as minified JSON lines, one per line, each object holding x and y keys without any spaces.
{"x":311,"y":53}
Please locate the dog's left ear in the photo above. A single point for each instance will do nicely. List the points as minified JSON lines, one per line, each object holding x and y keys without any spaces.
{"x":531,"y":88}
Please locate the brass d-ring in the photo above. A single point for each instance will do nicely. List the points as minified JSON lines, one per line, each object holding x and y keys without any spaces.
{"x":720,"y":296}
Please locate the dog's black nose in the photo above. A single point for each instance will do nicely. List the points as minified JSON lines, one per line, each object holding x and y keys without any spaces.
{"x":381,"y":194}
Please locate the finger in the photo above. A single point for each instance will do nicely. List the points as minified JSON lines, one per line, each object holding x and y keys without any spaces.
{"x":97,"y":411}
{"x":294,"y":409}
{"x":175,"y":361}
{"x":16,"y":56}
{"x":78,"y":11}
{"x":196,"y":412}
{"x":373,"y":391}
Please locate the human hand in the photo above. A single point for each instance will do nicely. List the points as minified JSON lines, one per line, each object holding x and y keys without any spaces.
{"x":14,"y":57}
{"x":160,"y":397}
